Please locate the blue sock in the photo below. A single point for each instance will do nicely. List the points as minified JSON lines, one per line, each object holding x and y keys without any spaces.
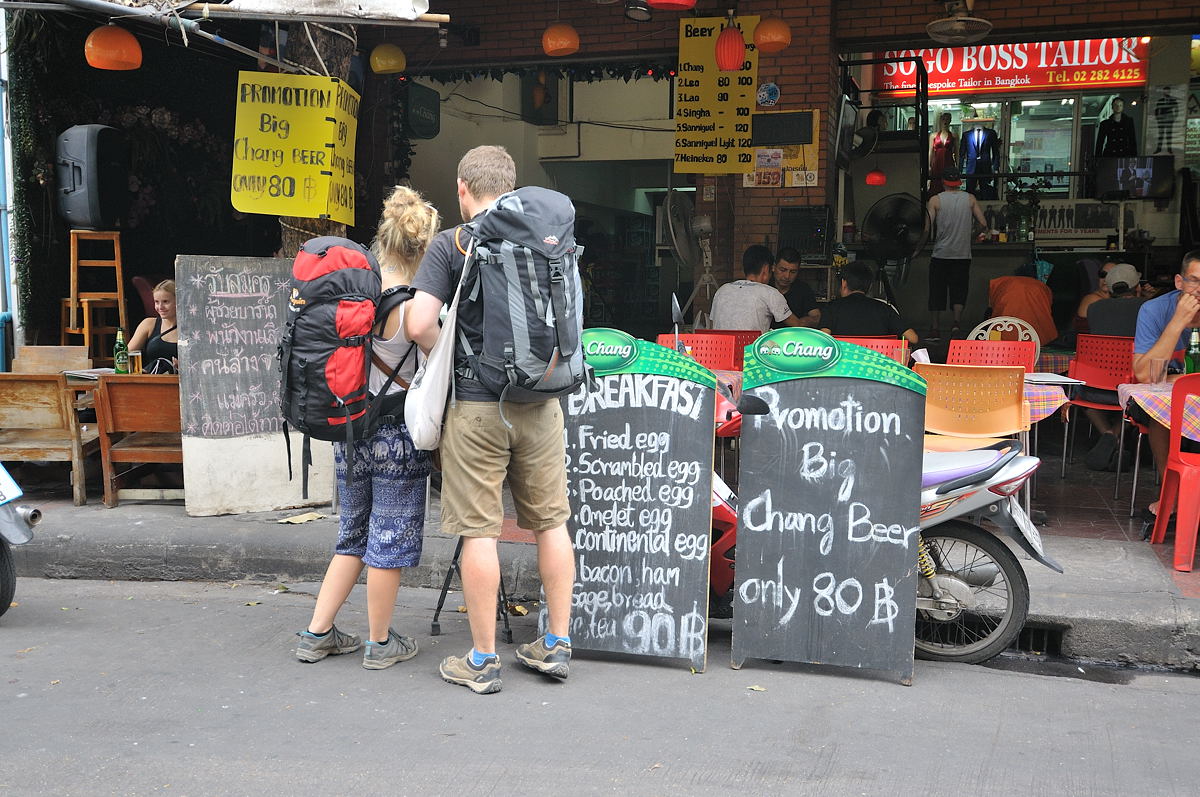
{"x":552,"y":638}
{"x":479,"y":659}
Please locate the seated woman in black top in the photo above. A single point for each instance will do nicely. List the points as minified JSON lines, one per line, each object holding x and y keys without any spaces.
{"x":158,"y":338}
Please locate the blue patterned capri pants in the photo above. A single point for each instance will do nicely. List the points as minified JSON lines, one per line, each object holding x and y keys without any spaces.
{"x":383,"y":509}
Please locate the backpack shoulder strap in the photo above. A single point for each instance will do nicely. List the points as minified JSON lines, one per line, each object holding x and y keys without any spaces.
{"x":392,"y":298}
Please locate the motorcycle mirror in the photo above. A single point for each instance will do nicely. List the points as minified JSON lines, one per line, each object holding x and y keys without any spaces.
{"x":752,"y":405}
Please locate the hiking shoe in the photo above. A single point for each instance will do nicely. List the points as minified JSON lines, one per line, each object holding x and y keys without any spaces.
{"x":380,"y":656}
{"x":483,"y":680}
{"x":312,"y":648}
{"x":554,"y":661}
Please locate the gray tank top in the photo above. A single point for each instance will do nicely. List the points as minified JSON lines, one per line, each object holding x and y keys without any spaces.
{"x":953,"y":240}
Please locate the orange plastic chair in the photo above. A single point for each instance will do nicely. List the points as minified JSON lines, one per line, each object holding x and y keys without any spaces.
{"x":993,"y":352}
{"x":1102,"y":362}
{"x":715,"y":352}
{"x":1180,"y":480}
{"x":896,"y":348}
{"x":968,"y":406}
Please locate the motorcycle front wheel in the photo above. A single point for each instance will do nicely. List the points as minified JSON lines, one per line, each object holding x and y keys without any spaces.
{"x":8,"y":576}
{"x":993,"y":593}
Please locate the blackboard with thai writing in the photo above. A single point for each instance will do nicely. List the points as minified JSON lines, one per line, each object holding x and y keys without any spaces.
{"x":232,"y":311}
{"x":639,"y":468}
{"x":829,"y":503}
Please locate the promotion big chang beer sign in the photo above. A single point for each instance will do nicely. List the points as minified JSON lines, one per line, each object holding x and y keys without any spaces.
{"x":1015,"y":68}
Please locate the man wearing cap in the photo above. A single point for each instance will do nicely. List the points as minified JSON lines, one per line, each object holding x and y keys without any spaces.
{"x":950,"y":214}
{"x":1116,"y":315}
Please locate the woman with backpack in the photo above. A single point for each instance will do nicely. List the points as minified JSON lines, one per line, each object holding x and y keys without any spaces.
{"x":383,"y":504}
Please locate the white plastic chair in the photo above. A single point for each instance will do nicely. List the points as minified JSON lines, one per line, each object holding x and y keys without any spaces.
{"x":1007,"y":327}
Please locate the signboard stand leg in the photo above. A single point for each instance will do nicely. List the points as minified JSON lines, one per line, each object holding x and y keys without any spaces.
{"x":435,"y":628}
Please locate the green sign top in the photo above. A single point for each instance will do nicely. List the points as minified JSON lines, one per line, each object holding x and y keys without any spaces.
{"x":799,"y":353}
{"x":611,"y":351}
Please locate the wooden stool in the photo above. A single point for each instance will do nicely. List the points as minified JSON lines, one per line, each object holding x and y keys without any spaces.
{"x":94,"y":333}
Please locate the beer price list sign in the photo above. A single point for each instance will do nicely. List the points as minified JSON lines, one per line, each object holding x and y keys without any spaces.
{"x":713,"y":108}
{"x":829,"y":504}
{"x":639,"y":448}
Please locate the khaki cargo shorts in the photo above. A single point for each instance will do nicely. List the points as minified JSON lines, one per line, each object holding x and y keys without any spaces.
{"x":478,"y":451}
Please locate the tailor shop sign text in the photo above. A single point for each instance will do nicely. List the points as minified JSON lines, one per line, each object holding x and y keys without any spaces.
{"x":1016,"y":68}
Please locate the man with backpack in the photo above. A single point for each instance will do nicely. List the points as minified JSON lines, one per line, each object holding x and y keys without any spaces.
{"x":491,"y":431}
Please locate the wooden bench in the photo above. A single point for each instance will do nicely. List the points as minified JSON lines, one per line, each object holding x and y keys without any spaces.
{"x":38,"y":424}
{"x":138,"y":416}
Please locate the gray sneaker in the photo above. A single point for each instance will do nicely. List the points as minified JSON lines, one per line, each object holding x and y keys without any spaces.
{"x":554,"y":661}
{"x":483,"y":680}
{"x":397,"y":648}
{"x":312,"y":648}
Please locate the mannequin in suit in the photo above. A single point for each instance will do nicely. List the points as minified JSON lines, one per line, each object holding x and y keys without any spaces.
{"x":1165,"y":112}
{"x":979,"y":154}
{"x":1117,"y":136}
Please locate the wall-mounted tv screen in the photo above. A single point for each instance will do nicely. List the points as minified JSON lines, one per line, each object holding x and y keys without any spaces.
{"x":847,"y":124}
{"x":1143,"y":177}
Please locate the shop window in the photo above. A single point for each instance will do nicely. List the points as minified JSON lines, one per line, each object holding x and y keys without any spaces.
{"x":1042,"y":140}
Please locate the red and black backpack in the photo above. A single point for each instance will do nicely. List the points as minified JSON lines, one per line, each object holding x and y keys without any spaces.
{"x":325,"y":354}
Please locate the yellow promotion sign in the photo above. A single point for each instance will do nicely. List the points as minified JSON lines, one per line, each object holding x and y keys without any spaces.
{"x":713,"y":108}
{"x":293,"y":148}
{"x":793,"y":166}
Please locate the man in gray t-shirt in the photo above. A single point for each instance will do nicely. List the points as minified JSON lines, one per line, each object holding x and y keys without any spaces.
{"x":752,"y":303}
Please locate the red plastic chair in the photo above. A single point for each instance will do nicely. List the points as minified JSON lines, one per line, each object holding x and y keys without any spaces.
{"x":993,"y":352}
{"x":895,"y":348}
{"x":1102,"y":362}
{"x":715,"y":352}
{"x":1180,"y":480}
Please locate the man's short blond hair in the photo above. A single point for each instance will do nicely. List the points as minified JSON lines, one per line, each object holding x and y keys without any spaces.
{"x":488,"y":172}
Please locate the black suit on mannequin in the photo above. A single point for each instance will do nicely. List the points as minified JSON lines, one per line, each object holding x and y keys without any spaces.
{"x":979,"y":154}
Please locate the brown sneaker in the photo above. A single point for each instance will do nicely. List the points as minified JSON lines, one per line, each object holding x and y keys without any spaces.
{"x":482,"y":680}
{"x":554,"y":661}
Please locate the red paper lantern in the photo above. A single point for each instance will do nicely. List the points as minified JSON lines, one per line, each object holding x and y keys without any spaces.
{"x":672,"y":5}
{"x":731,"y":49}
{"x":876,"y":177}
{"x":110,"y":47}
{"x":772,"y":35}
{"x":560,"y":39}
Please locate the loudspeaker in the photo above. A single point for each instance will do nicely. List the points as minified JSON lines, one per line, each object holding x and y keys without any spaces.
{"x":92,"y":176}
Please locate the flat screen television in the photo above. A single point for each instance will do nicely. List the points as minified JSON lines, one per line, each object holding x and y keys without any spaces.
{"x":1140,"y":177}
{"x":847,"y":124}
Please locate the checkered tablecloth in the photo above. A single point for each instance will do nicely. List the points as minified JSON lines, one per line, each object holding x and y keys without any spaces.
{"x":1155,"y":399}
{"x":1053,"y":362}
{"x":1043,"y":400}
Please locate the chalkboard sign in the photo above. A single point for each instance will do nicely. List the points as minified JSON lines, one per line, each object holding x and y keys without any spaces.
{"x":830,"y":485}
{"x":232,"y":312}
{"x":639,"y":467}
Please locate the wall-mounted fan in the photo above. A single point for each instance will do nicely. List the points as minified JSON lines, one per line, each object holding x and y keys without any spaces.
{"x":960,"y":27}
{"x":894,"y":230}
{"x":690,"y":235}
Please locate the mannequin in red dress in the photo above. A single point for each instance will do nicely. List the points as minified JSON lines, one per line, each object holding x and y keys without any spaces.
{"x":942,"y":148}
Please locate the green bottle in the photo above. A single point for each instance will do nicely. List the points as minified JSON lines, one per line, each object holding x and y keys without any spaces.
{"x":121,"y":353}
{"x":1191,"y":360}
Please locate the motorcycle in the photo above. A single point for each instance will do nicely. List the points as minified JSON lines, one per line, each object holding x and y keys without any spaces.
{"x":16,"y":528}
{"x":972,"y":593}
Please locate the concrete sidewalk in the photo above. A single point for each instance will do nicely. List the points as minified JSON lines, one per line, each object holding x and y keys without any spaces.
{"x":1114,"y":603}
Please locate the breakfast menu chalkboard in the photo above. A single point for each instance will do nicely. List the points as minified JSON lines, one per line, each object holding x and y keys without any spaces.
{"x":639,"y":449}
{"x":828,"y":523}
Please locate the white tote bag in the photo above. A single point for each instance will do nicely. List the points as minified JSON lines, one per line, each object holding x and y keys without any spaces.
{"x":425,"y":404}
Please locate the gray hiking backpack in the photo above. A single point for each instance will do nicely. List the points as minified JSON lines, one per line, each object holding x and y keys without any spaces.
{"x":524,"y":276}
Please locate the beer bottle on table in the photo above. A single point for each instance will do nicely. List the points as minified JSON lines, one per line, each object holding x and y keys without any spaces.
{"x":121,"y":354}
{"x":1191,"y":360}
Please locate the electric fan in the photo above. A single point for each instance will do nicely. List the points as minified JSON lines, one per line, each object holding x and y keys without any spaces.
{"x":894,"y":230}
{"x":960,"y":27}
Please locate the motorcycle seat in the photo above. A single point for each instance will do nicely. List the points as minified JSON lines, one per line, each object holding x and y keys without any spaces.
{"x":939,"y":467}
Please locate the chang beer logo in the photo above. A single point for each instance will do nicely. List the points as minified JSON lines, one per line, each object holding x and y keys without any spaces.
{"x":797,"y":351}
{"x":609,"y":350}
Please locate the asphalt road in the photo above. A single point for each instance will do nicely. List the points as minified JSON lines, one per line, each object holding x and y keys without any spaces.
{"x":131,"y":688}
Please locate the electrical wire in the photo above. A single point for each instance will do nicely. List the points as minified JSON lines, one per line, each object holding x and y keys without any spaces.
{"x":507,"y":114}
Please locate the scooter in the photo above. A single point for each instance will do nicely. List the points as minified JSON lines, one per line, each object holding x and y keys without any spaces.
{"x":16,"y":528}
{"x":972,"y":594}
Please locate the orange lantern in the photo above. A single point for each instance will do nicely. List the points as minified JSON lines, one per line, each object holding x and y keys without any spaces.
{"x":731,"y":49}
{"x":560,"y":39}
{"x":388,"y":59}
{"x":672,"y":5}
{"x":877,"y":176}
{"x":110,"y":47}
{"x":772,"y":35}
